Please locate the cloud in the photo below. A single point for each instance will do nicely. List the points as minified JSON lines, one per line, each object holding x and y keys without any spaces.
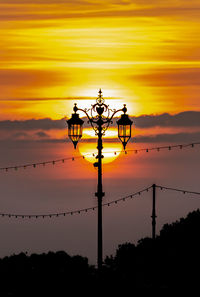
{"x":49,"y":9}
{"x":183,"y":119}
{"x":52,"y":99}
{"x":30,"y":78}
{"x":168,"y":138}
{"x":44,"y":124}
{"x":98,"y":2}
{"x":170,"y":77}
{"x":157,"y":138}
{"x":45,"y":1}
{"x":42,"y":134}
{"x":19,"y":135}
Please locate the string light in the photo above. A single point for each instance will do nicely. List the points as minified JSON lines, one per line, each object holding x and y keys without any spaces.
{"x":178,"y":190}
{"x":37,"y":164}
{"x":93,"y":208}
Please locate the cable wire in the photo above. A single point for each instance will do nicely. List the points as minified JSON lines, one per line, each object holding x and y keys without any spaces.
{"x":72,"y":158}
{"x":78,"y":211}
{"x":85,"y":210}
{"x":178,"y":190}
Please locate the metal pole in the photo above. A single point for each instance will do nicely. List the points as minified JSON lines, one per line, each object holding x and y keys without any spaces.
{"x":154,"y":212}
{"x":99,"y":195}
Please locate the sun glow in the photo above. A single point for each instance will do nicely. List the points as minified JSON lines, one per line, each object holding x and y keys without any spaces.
{"x":89,"y":133}
{"x":111,"y":151}
{"x":90,"y":92}
{"x":54,"y":54}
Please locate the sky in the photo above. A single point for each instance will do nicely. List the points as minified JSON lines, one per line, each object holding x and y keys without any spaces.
{"x":53,"y":54}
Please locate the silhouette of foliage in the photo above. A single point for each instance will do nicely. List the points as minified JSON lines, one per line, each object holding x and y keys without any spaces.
{"x":170,"y":263}
{"x":167,"y":265}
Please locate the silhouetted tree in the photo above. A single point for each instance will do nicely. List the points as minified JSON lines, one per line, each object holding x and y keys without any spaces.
{"x":167,"y":265}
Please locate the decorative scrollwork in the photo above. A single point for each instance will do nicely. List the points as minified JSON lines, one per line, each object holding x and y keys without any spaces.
{"x":99,"y":113}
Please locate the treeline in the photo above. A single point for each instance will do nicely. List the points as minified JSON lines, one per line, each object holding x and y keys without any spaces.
{"x":168,"y":264}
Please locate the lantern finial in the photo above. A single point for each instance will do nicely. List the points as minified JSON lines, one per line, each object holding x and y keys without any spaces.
{"x":100,"y":99}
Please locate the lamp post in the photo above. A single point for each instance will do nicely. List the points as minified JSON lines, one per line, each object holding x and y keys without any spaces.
{"x":99,"y":117}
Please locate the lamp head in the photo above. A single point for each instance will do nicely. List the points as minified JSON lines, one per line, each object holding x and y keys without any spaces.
{"x":124,"y":128}
{"x":75,"y":127}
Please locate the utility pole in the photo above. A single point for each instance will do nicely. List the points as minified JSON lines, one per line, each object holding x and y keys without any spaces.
{"x":154,"y":212}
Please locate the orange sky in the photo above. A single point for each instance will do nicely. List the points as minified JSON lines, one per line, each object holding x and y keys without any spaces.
{"x":53,"y":53}
{"x":144,"y":53}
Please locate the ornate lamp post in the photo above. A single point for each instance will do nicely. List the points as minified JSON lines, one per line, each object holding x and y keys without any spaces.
{"x":100,"y":117}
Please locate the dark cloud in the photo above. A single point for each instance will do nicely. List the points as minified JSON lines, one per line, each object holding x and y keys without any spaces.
{"x":19,"y":134}
{"x":42,"y":134}
{"x":157,"y":138}
{"x":183,"y":119}
{"x":168,"y":138}
{"x":44,"y":124}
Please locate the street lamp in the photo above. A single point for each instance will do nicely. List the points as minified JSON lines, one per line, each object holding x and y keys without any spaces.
{"x":124,"y":127}
{"x":75,"y":127}
{"x":100,"y":118}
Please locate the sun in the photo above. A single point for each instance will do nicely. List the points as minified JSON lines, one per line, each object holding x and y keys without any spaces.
{"x":111,"y":151}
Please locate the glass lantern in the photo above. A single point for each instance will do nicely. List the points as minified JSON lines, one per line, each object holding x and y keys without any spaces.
{"x":124,"y":129}
{"x":75,"y":128}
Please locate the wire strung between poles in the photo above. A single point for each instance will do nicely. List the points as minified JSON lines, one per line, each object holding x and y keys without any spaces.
{"x":62,"y":160}
{"x":52,"y":215}
{"x":177,"y":190}
{"x":85,"y":210}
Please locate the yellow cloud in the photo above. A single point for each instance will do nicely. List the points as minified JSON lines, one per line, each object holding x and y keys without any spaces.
{"x":72,"y":48}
